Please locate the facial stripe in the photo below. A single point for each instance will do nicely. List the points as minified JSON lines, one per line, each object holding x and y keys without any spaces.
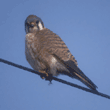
{"x":40,"y":26}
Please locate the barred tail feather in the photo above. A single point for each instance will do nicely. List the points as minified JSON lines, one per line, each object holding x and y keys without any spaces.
{"x":83,"y":78}
{"x":75,"y":71}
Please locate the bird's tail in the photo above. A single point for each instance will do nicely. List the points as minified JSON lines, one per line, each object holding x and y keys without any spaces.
{"x":77,"y":73}
{"x":83,"y":78}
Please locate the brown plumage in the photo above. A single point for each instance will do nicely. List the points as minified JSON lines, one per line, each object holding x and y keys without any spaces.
{"x":47,"y":53}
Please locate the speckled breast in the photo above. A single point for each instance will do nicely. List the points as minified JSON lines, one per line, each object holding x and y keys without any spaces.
{"x":30,"y":51}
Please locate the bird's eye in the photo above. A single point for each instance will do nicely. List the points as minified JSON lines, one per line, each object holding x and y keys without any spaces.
{"x":27,"y":24}
{"x":37,"y":22}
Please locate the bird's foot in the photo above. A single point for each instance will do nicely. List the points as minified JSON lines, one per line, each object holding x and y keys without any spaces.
{"x":49,"y":78}
{"x":46,"y":76}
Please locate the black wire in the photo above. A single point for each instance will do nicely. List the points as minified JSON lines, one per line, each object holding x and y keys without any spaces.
{"x":56,"y":79}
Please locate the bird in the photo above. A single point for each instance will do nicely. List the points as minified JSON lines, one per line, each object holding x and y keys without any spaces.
{"x":47,"y":53}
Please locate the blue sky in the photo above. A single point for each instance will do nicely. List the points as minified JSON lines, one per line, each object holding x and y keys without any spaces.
{"x":84,"y":25}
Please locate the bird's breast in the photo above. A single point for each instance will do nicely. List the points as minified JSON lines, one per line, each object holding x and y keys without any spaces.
{"x":31,"y":51}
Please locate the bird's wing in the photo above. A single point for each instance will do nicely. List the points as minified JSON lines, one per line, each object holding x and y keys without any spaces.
{"x":52,"y":43}
{"x":79,"y":74}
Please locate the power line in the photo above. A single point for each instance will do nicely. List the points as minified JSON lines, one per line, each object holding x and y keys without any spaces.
{"x":54,"y":78}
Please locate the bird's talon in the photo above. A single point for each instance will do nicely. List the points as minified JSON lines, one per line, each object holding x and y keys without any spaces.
{"x":42,"y":77}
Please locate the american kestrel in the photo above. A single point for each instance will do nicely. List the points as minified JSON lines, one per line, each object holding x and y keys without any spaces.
{"x":47,"y":53}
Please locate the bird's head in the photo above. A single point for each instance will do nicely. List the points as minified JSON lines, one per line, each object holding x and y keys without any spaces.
{"x":33,"y":24}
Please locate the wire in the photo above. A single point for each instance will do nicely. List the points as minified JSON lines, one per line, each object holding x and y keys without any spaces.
{"x":54,"y":78}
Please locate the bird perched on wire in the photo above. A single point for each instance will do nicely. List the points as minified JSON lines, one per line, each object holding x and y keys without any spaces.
{"x":47,"y":53}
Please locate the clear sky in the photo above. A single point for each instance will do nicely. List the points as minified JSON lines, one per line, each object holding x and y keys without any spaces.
{"x":84,"y":25}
